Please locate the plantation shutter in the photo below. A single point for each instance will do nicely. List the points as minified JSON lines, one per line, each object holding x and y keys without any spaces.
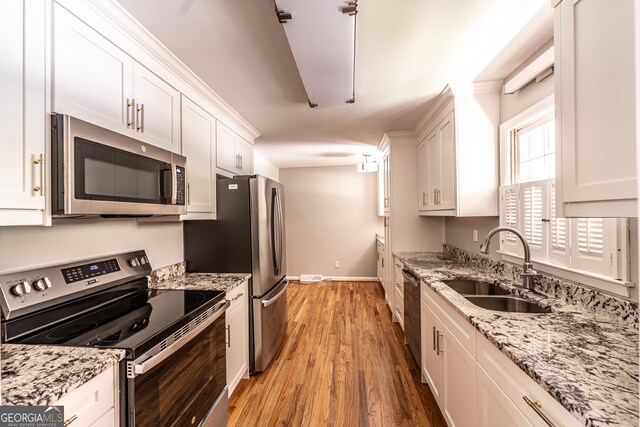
{"x":593,"y":245}
{"x":558,"y":231}
{"x":510,"y":217}
{"x":534,"y":217}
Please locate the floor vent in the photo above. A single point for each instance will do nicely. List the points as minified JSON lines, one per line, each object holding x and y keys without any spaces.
{"x":306,"y":278}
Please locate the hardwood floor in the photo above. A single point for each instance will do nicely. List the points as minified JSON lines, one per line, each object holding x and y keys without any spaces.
{"x":343,"y":363}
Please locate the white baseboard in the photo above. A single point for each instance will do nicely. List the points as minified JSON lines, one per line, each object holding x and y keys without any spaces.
{"x":341,"y":278}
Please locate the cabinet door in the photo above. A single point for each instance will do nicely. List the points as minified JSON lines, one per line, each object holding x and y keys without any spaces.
{"x":157,"y":110}
{"x":433,"y":168}
{"x":432,"y":367}
{"x":595,"y":92}
{"x":495,"y":409}
{"x":446,"y":191}
{"x":92,"y":78}
{"x":423,"y":177}
{"x":459,"y":373}
{"x":198,"y":145}
{"x":22,"y":110}
{"x":237,"y":344}
{"x":93,"y":402}
{"x":244,"y":151}
{"x":226,"y":149}
{"x":387,"y":183}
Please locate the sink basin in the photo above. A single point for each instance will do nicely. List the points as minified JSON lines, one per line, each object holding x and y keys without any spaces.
{"x":507,"y":303}
{"x":475,"y":287}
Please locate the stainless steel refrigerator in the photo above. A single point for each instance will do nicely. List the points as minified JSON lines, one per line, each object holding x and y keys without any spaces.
{"x":248,"y":237}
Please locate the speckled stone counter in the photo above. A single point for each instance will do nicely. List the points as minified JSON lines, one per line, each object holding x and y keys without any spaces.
{"x":174,"y":277}
{"x":41,"y":375}
{"x":584,"y":353}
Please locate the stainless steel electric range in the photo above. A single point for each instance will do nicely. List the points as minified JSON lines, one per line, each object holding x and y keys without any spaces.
{"x":174,"y":372}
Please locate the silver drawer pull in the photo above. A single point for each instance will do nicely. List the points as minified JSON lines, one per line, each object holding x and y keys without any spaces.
{"x":70,"y":420}
{"x":237,"y":297}
{"x":537,"y":406}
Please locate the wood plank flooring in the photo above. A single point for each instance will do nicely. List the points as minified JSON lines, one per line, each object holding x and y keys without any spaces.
{"x":343,"y":363}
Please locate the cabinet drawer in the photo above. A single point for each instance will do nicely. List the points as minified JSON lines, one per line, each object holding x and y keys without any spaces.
{"x":237,"y":295}
{"x":90,"y":402}
{"x":516,"y":385}
{"x":462,"y":330}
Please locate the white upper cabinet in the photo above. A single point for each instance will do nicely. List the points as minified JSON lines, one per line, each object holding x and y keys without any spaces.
{"x":595,"y":96}
{"x":22,"y":113}
{"x":96,"y":81}
{"x":92,"y":78}
{"x":234,"y":154}
{"x":199,"y":147}
{"x":458,"y":153}
{"x":157,"y":110}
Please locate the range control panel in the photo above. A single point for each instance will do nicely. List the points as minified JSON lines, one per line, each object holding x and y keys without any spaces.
{"x":88,"y":271}
{"x":28,"y":291}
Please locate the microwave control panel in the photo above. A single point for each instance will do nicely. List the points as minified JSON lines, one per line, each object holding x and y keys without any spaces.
{"x":180,"y":190}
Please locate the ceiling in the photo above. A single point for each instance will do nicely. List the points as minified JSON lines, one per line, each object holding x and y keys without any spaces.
{"x":406,"y":52}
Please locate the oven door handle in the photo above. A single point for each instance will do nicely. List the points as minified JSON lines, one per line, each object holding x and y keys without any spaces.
{"x":150,"y":363}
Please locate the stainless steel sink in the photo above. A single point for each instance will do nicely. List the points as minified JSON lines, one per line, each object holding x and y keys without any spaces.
{"x":508,"y":304}
{"x":475,"y":287}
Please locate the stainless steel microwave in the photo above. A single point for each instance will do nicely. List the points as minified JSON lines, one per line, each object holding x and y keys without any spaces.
{"x":98,"y":172}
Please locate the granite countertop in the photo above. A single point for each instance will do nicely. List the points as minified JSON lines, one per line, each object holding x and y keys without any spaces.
{"x":380,"y":237}
{"x":41,"y":375}
{"x":588,"y":361}
{"x":202,"y":281}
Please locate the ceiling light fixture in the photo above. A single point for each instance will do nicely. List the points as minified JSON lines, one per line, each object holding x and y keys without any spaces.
{"x":322,"y":35}
{"x":367,"y":166}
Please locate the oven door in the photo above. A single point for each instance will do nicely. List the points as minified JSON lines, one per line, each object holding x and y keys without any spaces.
{"x":183,"y":386}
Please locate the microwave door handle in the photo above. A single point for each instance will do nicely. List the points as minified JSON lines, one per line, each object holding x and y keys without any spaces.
{"x":166,"y":185}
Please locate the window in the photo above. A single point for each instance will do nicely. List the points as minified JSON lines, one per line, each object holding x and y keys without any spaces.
{"x":528,"y":203}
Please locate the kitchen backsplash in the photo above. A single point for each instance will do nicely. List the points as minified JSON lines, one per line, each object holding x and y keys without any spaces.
{"x":566,"y":290}
{"x":167,"y":273}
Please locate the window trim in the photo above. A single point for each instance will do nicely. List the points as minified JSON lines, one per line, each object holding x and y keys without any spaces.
{"x":527,"y":117}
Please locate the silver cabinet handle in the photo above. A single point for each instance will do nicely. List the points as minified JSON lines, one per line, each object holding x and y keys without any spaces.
{"x":435,"y":197}
{"x":130,"y":105}
{"x":188,"y":193}
{"x":241,"y":161}
{"x":237,"y":297}
{"x":537,"y":406}
{"x":70,"y":420}
{"x":438,"y":343}
{"x":140,"y":118}
{"x":229,"y":336}
{"x":434,"y":338}
{"x":40,"y":162}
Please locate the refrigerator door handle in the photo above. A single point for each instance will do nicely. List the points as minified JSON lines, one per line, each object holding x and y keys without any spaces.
{"x":270,"y":301}
{"x":274,"y":235}
{"x":280,"y":231}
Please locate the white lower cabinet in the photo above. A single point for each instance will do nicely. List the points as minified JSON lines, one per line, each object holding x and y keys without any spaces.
{"x":237,"y":317}
{"x":495,"y":409}
{"x":447,"y":366}
{"x":94,"y":403}
{"x":473,"y":382}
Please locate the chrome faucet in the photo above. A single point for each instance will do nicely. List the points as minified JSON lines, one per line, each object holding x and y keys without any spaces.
{"x":528,"y":273}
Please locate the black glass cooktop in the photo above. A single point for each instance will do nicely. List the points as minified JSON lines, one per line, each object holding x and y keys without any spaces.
{"x":135,"y":323}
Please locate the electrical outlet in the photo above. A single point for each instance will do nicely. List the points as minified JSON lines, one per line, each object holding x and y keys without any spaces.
{"x":336,"y":264}
{"x":475,"y":235}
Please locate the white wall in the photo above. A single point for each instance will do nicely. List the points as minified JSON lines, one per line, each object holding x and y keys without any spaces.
{"x":330,"y":215}
{"x":22,"y":248}
{"x":264,"y":167}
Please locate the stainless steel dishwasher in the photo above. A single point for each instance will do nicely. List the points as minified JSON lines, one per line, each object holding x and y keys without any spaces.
{"x":412,"y":313}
